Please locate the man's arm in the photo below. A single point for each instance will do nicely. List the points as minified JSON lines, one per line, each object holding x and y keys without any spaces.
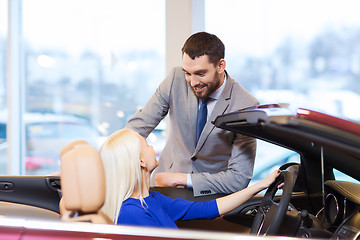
{"x":238,"y":174}
{"x":167,"y":179}
{"x":237,"y":177}
{"x":147,"y":118}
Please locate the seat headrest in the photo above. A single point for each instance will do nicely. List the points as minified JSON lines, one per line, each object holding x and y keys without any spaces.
{"x":71,"y":146}
{"x":82,"y":179}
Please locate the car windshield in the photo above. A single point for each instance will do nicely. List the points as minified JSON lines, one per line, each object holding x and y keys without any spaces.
{"x":270,"y":157}
{"x":343,"y":177}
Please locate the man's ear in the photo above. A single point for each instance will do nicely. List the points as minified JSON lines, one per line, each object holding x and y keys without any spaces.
{"x":142,"y":163}
{"x":221,"y":65}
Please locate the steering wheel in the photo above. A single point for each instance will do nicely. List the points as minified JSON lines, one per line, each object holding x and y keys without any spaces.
{"x":270,"y":214}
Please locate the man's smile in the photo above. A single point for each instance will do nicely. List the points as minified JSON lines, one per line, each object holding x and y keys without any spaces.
{"x":199,"y":89}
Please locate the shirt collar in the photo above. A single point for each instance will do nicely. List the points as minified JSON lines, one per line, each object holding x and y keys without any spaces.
{"x":215,"y":95}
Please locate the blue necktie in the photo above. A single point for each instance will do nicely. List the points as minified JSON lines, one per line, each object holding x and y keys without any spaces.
{"x":202,"y":118}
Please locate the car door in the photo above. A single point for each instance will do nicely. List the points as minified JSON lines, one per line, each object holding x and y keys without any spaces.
{"x":41,"y":192}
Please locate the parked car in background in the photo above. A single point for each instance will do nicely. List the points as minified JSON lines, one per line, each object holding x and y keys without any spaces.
{"x":45,"y":135}
{"x":313,"y":203}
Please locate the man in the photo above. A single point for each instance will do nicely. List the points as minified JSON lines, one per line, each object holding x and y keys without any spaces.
{"x":219,"y":161}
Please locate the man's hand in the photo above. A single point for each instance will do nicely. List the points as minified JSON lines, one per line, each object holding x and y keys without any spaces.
{"x":166,"y":179}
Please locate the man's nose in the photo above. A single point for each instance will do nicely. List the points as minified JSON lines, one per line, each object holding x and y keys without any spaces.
{"x":194,"y":81}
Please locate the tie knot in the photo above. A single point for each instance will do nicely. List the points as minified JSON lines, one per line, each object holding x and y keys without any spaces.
{"x":205,"y":101}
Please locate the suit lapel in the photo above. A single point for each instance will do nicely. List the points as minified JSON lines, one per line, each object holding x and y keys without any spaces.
{"x":192,"y":113}
{"x":220,"y":107}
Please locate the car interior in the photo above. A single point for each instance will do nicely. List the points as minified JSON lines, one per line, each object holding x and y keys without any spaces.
{"x":39,"y":197}
{"x":311,"y":204}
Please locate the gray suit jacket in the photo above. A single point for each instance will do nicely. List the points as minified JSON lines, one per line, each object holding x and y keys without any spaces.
{"x":221,"y":162}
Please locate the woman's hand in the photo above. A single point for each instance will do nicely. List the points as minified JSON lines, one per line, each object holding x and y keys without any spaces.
{"x":232,"y":201}
{"x":266,"y":182}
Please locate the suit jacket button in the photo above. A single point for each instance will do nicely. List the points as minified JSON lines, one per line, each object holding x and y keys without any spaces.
{"x":205,"y":192}
{"x":193,"y":158}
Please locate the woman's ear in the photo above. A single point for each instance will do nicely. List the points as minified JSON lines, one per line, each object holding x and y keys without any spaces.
{"x":142,"y":163}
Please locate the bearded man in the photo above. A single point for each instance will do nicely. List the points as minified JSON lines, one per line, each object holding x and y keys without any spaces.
{"x":197,"y":154}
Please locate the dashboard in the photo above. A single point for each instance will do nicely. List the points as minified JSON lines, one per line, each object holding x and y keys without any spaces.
{"x":342,"y":209}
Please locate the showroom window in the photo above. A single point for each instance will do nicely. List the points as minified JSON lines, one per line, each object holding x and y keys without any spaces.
{"x":306,"y":53}
{"x":3,"y":93}
{"x":88,"y":66}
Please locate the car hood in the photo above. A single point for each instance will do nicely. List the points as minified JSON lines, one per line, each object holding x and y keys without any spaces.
{"x":301,"y":130}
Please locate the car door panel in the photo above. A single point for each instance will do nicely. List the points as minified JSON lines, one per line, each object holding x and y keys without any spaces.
{"x":38,"y":191}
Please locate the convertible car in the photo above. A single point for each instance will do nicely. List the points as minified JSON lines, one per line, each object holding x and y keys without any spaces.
{"x":320,"y":198}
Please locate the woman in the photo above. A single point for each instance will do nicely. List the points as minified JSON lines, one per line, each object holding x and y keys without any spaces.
{"x":128,"y":163}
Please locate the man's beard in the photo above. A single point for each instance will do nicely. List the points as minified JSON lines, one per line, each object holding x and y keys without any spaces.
{"x":210,"y":88}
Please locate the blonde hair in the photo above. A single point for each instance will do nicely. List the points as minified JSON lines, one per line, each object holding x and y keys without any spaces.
{"x":120,"y":154}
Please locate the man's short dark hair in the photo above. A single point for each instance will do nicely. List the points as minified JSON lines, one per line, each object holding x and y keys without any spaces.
{"x":203,"y":43}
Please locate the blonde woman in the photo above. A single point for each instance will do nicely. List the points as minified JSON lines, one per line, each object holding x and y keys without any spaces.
{"x":128,"y":162}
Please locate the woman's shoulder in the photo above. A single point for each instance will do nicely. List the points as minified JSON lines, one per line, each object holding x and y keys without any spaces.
{"x":131,"y":212}
{"x":131,"y":202}
{"x":158,"y":196}
{"x":130,"y":206}
{"x":154,"y":194}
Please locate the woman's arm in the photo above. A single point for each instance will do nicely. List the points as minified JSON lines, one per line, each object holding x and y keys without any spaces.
{"x":232,"y":201}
